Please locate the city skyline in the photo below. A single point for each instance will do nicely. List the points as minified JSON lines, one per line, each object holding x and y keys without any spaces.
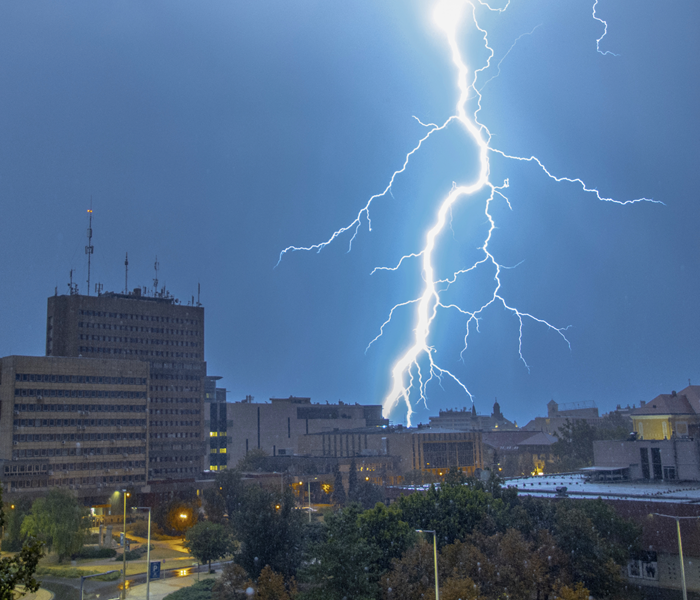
{"x":216,"y":137}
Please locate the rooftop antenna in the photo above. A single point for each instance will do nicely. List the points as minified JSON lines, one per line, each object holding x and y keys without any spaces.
{"x":89,"y":249}
{"x":73,"y":287}
{"x":156,"y":266}
{"x":199,"y":289}
{"x":126,"y":274}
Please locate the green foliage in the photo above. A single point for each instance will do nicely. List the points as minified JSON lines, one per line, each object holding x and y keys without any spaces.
{"x":384,"y":528}
{"x":14,"y":516}
{"x":75,"y":573}
{"x":338,"y":496}
{"x":352,"y":482}
{"x":232,"y":490}
{"x":91,"y":552}
{"x":344,"y":564}
{"x":252,"y":461}
{"x":202,"y":590}
{"x":454,"y":511}
{"x":232,"y":584}
{"x":208,"y":541}
{"x":269,"y":529}
{"x":574,"y":448}
{"x":368,"y":494}
{"x":214,"y":505}
{"x":272,"y":586}
{"x":59,"y":521}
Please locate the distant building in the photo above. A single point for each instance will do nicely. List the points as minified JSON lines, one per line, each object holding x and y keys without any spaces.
{"x":78,"y":423}
{"x":469,"y":420}
{"x":558,"y":414}
{"x":427,"y":449}
{"x":216,"y":423}
{"x":518,"y":453}
{"x":166,"y":336}
{"x":277,"y":426}
{"x":664,"y":444}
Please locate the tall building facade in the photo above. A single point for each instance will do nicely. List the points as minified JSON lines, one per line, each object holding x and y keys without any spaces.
{"x":169,"y":337}
{"x":72,"y":422}
{"x":216,"y":423}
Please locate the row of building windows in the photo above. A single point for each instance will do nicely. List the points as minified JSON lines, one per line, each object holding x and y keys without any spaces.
{"x":75,"y":481}
{"x":77,"y":437}
{"x":174,"y":423}
{"x":155,"y":459}
{"x":157,"y":319}
{"x":112,"y":327}
{"x":79,"y":422}
{"x":77,"y":393}
{"x":174,"y":388}
{"x":170,"y":377}
{"x":173,"y":471}
{"x":174,"y":411}
{"x":133,"y":340}
{"x":80,"y":379}
{"x":175,"y":434}
{"x":49,"y":452}
{"x":81,"y":408}
{"x":134,"y":352}
{"x":176,"y":365}
{"x":175,"y":401}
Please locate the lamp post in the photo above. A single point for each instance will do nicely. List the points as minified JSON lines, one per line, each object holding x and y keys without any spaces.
{"x":437,"y":590}
{"x":148,"y":549}
{"x":680,"y":547}
{"x":123,"y":594}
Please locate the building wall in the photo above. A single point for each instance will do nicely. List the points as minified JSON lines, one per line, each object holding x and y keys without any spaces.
{"x":412,"y":449}
{"x":678,"y":459}
{"x":72,"y":422}
{"x":660,"y":427}
{"x":216,"y":423}
{"x":277,"y":427}
{"x":166,"y":336}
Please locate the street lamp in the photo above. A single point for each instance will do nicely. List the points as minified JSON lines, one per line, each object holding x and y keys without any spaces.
{"x":680,"y":547}
{"x":148,"y":549}
{"x":437,"y":590}
{"x":123,"y":594}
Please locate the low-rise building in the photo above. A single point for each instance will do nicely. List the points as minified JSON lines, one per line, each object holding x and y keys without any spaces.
{"x":469,"y":420}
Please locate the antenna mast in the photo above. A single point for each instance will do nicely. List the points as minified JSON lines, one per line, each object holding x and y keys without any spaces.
{"x":156,"y":266}
{"x":126,"y":274}
{"x":89,"y":249}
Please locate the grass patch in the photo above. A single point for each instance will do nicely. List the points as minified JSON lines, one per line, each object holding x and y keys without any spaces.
{"x":198,"y":591}
{"x":61,"y":591}
{"x":75,"y":573}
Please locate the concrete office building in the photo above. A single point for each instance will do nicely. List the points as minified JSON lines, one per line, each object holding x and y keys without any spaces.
{"x":77,"y":423}
{"x":165,"y":335}
{"x":216,"y":424}
{"x":277,"y":426}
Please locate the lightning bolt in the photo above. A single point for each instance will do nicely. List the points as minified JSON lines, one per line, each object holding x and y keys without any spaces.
{"x":417,"y":366}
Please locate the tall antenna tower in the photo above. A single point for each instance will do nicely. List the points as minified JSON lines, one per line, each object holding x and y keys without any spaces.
{"x":126,"y":274}
{"x":89,"y":249}
{"x":156,"y":266}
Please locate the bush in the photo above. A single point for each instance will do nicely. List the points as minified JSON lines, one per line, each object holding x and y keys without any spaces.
{"x":199,"y":591}
{"x":73,"y":573}
{"x":90,"y":552}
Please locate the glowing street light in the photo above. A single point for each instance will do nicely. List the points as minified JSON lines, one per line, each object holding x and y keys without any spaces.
{"x":437,"y":590}
{"x":148,"y":549}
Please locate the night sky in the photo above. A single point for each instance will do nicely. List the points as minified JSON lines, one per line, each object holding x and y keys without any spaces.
{"x":215,"y":134}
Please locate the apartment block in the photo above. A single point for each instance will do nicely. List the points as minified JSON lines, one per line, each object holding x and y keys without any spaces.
{"x":79,"y":423}
{"x":165,"y":335}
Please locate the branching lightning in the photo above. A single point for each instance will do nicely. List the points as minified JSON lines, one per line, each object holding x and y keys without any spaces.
{"x":417,"y":366}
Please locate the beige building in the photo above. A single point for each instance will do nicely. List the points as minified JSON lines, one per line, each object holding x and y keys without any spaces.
{"x":79,"y":423}
{"x":276,"y":427}
{"x":415,"y":449}
{"x":169,"y":339}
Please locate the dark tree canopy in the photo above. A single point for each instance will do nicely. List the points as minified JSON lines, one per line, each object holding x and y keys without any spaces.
{"x":208,"y":541}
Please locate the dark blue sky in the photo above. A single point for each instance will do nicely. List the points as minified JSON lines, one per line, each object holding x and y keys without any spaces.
{"x":216,"y":134}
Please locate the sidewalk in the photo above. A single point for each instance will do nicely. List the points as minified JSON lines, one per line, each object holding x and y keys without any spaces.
{"x":162,"y":587}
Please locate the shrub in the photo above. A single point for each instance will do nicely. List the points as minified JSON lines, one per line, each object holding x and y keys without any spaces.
{"x":91,"y":552}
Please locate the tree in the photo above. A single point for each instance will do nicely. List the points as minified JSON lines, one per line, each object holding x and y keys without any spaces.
{"x":338,"y":496}
{"x":231,"y":489}
{"x":343,"y":564}
{"x":232,"y":584}
{"x":270,"y":531}
{"x":208,"y":541}
{"x":574,"y":448}
{"x":252,"y":461}
{"x":59,"y":521}
{"x":413,"y":576}
{"x":271,"y":586}
{"x":384,"y":528}
{"x":13,"y":523}
{"x":352,"y":482}
{"x":18,"y":570}
{"x":214,"y":505}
